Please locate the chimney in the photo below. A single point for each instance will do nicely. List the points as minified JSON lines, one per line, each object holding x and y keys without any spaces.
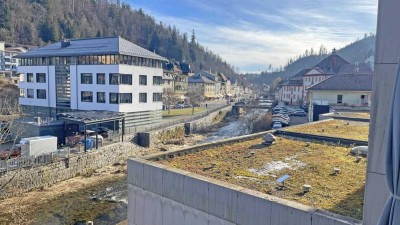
{"x":65,"y":43}
{"x":334,"y":51}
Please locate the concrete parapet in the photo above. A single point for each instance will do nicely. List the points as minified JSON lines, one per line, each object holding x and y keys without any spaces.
{"x":187,"y":198}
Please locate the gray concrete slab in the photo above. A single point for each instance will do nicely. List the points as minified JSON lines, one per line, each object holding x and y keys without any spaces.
{"x":135,"y":172}
{"x":173,"y":184}
{"x":388,"y":33}
{"x":152,"y":177}
{"x":173,"y":213}
{"x":223,"y":202}
{"x":327,"y":218}
{"x":253,"y":209}
{"x":196,"y":192}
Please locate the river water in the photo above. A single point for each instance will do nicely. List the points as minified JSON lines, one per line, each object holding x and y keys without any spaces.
{"x":107,"y":203}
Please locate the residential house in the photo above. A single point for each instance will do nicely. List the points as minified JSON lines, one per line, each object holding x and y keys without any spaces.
{"x":8,"y":64}
{"x":110,"y":74}
{"x":225,"y":85}
{"x":217,"y":82}
{"x":168,"y":81}
{"x":292,"y":91}
{"x":203,"y":86}
{"x":326,"y":68}
{"x":342,"y":91}
{"x":180,"y":73}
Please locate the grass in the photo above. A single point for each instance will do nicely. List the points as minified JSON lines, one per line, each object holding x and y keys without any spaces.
{"x":336,"y":128}
{"x":362,"y":115}
{"x":184,"y":111}
{"x":311,"y":164}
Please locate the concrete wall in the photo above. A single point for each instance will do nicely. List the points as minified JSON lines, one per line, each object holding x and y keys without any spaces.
{"x":204,"y":124}
{"x":161,"y":195}
{"x":386,"y":64}
{"x":349,"y":97}
{"x":80,"y":164}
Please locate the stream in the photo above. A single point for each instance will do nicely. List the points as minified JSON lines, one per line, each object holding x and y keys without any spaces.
{"x":107,"y":203}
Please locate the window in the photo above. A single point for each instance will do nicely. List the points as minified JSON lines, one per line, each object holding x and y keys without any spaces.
{"x":157,"y":97}
{"x":142,"y":97}
{"x":339,"y":99}
{"x":126,"y":79}
{"x":101,"y":78}
{"x":101,"y":97}
{"x":114,"y":98}
{"x":41,"y":93}
{"x":126,"y":98}
{"x":86,"y":96}
{"x":142,"y":80}
{"x":29,"y":77}
{"x":22,"y":92}
{"x":30,"y":93}
{"x":114,"y":78}
{"x":86,"y":78}
{"x":157,"y":80}
{"x":41,"y":78}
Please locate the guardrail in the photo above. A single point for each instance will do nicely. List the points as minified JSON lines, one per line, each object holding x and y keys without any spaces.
{"x":152,"y":127}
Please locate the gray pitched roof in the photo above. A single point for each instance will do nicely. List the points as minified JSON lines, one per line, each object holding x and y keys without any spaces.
{"x":210,"y":76}
{"x":92,"y":46}
{"x":332,"y":63}
{"x":200,"y":79}
{"x":363,"y":68}
{"x":345,"y":82}
{"x":297,"y":79}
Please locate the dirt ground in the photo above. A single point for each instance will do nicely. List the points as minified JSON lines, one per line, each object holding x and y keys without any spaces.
{"x":252,"y":165}
{"x":21,"y":209}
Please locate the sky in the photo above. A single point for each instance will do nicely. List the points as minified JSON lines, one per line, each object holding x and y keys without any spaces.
{"x":251,"y":34}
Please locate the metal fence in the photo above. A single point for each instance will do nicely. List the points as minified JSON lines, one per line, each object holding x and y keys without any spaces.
{"x":35,"y":161}
{"x":152,"y":127}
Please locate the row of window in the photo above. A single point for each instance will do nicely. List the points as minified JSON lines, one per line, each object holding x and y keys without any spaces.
{"x":40,"y":78}
{"x":30,"y":93}
{"x":117,"y":98}
{"x":287,"y":88}
{"x":116,"y":78}
{"x":313,"y":79}
{"x":92,"y":60}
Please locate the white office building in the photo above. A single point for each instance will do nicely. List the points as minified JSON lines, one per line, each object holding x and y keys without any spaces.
{"x":110,"y":74}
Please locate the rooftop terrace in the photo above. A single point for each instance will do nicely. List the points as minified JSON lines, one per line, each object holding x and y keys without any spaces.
{"x":254,"y":166}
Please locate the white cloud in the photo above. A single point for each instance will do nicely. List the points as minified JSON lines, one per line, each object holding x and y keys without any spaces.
{"x":277,"y":36}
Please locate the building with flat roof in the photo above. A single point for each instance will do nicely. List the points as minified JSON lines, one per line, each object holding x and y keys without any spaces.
{"x":110,"y":74}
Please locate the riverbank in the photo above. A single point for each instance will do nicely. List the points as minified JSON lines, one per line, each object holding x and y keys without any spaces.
{"x":68,"y":202}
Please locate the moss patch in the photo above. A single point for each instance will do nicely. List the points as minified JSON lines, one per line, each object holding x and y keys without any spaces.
{"x":336,"y":128}
{"x":251,"y":165}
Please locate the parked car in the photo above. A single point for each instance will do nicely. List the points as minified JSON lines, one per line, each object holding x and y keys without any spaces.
{"x":92,"y":134}
{"x":104,"y":131}
{"x":299,"y":112}
{"x":179,"y":106}
{"x":188,"y":105}
{"x":8,"y":154}
{"x":277,"y":125}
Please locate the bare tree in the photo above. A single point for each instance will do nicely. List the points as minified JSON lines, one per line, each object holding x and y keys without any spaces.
{"x":194,"y":99}
{"x":10,"y":128}
{"x":169,"y":99}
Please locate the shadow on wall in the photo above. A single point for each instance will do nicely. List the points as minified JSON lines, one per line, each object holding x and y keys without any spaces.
{"x":352,"y":205}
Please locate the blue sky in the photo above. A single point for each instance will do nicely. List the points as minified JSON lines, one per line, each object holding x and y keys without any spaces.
{"x":250,"y":34}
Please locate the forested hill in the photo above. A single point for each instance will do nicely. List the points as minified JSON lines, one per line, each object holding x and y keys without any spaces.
{"x":357,"y":51}
{"x":38,"y":22}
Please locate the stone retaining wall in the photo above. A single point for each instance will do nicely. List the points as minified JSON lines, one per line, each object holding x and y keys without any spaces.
{"x":31,"y":178}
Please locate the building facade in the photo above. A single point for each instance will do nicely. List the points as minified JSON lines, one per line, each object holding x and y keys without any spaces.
{"x":8,"y":64}
{"x":342,"y":92}
{"x":110,"y":74}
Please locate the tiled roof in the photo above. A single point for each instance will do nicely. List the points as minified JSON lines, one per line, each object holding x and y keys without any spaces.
{"x":92,"y":46}
{"x":345,"y":82}
{"x":363,"y":68}
{"x":297,"y":79}
{"x":210,"y":76}
{"x":331,"y":64}
{"x":200,"y":79}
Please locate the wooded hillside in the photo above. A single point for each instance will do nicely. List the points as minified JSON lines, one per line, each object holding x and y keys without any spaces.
{"x":38,"y":22}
